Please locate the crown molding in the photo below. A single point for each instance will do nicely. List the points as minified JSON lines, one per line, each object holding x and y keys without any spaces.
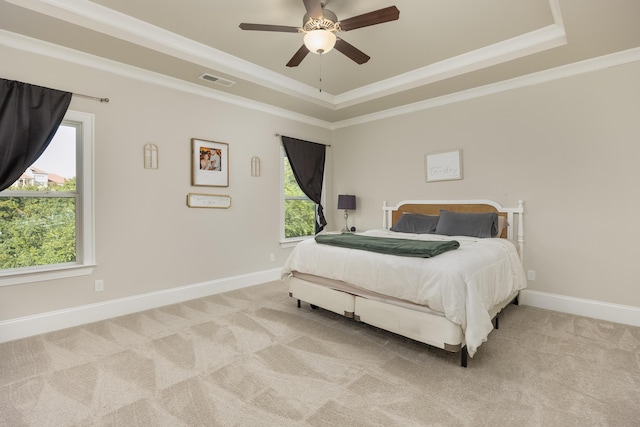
{"x":124,"y":27}
{"x":507,"y":50}
{"x":577,"y":68}
{"x":116,"y":24}
{"x":43,"y":48}
{"x":39,"y":47}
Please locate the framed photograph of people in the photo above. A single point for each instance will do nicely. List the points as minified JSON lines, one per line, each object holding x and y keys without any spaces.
{"x":209,"y":163}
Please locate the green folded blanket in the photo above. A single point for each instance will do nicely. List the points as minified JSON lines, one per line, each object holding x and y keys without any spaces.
{"x":390,"y":246}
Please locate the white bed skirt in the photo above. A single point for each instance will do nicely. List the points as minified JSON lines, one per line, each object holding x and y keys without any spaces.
{"x":418,"y":323}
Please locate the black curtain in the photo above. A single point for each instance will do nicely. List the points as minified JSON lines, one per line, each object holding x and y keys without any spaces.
{"x":29,"y":118}
{"x":307,"y":163}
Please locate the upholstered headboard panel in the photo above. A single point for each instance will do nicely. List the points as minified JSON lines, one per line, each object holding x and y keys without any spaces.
{"x":434,"y":209}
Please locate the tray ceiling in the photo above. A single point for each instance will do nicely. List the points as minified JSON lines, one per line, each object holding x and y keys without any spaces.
{"x":435,"y":49}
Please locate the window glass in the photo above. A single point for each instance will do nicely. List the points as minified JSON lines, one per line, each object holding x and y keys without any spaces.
{"x":299,"y":211}
{"x":38,"y":225}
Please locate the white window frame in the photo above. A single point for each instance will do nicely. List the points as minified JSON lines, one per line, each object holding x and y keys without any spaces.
{"x":85,"y":222}
{"x":291,"y":241}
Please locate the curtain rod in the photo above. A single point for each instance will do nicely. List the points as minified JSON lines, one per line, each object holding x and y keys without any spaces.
{"x":327,"y":145}
{"x":91,"y":97}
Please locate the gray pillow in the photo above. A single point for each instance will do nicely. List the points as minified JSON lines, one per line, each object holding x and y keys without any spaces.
{"x":467,"y":224}
{"x":416,"y":223}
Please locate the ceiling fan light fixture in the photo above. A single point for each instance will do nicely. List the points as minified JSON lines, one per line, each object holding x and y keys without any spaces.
{"x":320,"y":27}
{"x":320,"y":41}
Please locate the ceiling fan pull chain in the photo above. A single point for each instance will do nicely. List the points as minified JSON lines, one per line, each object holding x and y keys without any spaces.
{"x":320,"y":73}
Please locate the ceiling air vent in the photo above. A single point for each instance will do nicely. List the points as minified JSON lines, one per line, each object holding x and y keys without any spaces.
{"x":217,"y":80}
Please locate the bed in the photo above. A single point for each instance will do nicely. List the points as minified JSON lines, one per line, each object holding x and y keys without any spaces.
{"x":450,"y":301}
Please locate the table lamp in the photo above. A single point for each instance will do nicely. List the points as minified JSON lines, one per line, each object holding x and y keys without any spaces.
{"x":348,"y":203}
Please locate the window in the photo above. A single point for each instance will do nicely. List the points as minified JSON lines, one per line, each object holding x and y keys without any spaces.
{"x":46,"y":216}
{"x":298,"y":212}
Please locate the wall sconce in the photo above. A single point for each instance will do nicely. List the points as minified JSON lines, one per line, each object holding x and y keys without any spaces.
{"x":255,"y":166}
{"x":348,"y":203}
{"x":150,"y":156}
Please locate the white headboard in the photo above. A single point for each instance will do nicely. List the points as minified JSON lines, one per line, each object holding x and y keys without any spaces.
{"x":390,"y":214}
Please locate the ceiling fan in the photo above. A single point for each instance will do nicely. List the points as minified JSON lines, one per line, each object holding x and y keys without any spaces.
{"x":320,"y":26}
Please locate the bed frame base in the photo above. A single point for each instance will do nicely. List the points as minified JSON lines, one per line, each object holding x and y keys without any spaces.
{"x":447,"y":347}
{"x":430,"y":329}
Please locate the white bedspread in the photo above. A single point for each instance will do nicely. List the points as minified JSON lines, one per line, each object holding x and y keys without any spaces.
{"x":463,"y":284}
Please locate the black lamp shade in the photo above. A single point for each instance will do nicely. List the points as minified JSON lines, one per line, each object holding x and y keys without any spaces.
{"x":346,"y":202}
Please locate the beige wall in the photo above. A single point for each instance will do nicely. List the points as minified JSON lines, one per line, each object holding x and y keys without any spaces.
{"x":147,"y":239}
{"x":568,"y":148}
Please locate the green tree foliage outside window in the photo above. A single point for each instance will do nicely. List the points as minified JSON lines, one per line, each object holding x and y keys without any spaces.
{"x":38,"y":230}
{"x":299,"y":211}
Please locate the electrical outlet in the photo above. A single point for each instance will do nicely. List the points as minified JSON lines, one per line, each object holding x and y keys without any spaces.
{"x":99,"y":285}
{"x":531,"y":275}
{"x":272,"y":258}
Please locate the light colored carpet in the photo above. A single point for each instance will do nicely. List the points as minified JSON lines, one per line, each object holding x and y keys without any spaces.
{"x":252,"y":358}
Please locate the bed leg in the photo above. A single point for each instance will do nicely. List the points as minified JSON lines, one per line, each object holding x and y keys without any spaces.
{"x":298,"y":303}
{"x":314,"y":307}
{"x":497,"y":321}
{"x":463,"y":357}
{"x":516,"y":300}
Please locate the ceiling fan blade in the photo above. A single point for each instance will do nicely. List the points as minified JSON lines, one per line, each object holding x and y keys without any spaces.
{"x":387,"y":14}
{"x":314,"y":8}
{"x":265,"y":27}
{"x":351,"y":52}
{"x":297,"y":58}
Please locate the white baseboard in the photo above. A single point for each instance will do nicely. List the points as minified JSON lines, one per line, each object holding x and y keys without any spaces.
{"x":625,"y":314}
{"x":27,"y":326}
